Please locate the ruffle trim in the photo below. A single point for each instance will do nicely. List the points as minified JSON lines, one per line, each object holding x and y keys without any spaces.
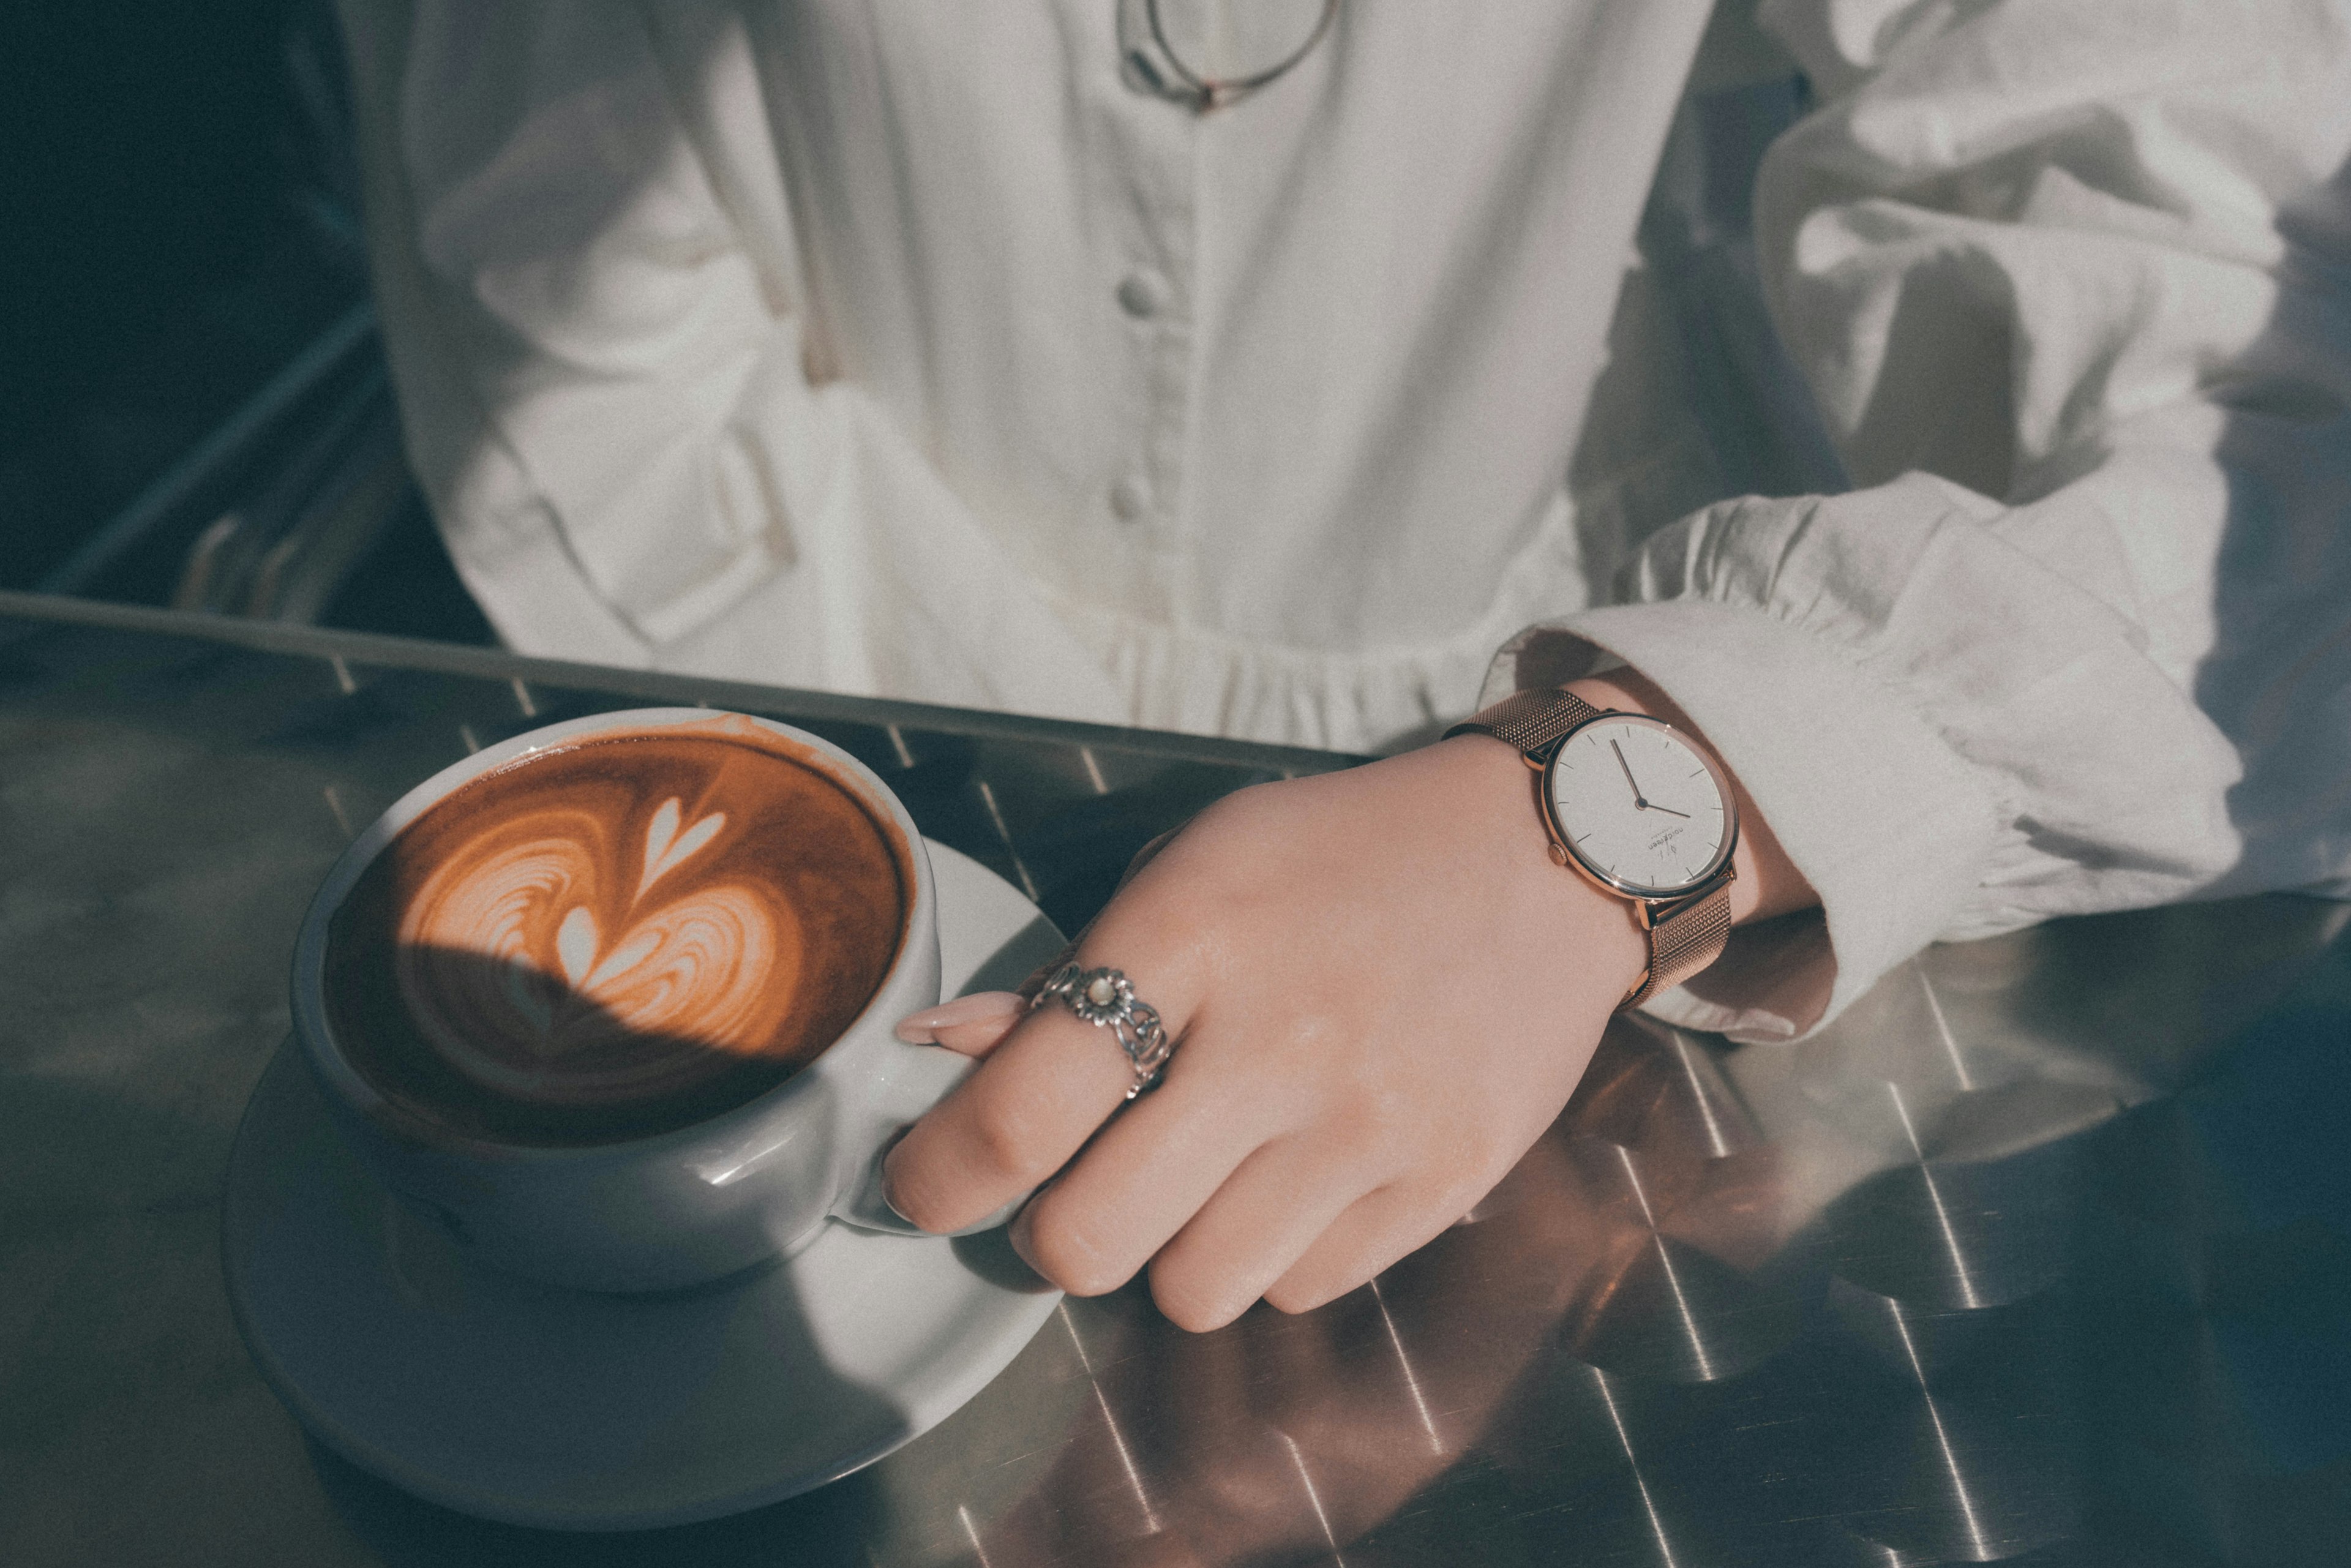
{"x":1374,"y":700}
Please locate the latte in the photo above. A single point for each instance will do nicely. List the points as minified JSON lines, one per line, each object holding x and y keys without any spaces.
{"x":617,"y":938}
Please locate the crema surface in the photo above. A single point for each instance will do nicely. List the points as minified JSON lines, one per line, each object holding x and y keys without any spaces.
{"x":616,"y":937}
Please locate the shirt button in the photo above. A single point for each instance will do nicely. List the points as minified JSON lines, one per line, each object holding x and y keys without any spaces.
{"x":1130,"y":497}
{"x":1143,"y":295}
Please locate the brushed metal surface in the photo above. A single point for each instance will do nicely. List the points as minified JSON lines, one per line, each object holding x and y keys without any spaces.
{"x":2041,"y":1255}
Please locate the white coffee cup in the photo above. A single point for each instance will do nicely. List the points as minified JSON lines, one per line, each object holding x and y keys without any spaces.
{"x":678,"y":1208}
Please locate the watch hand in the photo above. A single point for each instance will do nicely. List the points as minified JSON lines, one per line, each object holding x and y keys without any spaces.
{"x":1668,"y":811}
{"x":1639,"y":803}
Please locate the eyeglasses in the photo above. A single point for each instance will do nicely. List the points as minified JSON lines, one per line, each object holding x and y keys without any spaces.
{"x":1213,"y":62}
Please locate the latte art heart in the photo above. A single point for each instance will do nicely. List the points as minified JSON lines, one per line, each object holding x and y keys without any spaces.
{"x":617,"y":936}
{"x":586,"y":953}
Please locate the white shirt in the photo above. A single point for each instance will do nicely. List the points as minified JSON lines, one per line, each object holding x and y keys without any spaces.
{"x":914,"y":351}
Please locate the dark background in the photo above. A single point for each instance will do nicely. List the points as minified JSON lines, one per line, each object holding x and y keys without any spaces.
{"x":182,"y":221}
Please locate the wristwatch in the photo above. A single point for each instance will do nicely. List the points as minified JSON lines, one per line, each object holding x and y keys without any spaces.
{"x":1640,"y":812}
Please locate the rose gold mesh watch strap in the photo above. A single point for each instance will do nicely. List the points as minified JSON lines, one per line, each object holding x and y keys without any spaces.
{"x":1529,"y":720}
{"x":1680,"y":943}
{"x":1685,"y":941}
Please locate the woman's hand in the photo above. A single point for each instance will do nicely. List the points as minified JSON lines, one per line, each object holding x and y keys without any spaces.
{"x":1384,"y":991}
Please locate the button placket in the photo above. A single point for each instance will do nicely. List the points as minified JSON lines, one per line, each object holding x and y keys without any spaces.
{"x":1151,"y":298}
{"x":1145,"y":291}
{"x":1144,"y":296}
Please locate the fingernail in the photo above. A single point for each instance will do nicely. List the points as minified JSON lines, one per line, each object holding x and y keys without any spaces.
{"x":1017,"y":1232}
{"x":888,"y":1178}
{"x":923,"y":1027}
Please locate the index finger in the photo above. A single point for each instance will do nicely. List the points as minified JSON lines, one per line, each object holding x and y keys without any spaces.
{"x":1022,"y":1114}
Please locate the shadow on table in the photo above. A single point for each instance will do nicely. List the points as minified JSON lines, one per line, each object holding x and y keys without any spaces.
{"x":819,"y":1529}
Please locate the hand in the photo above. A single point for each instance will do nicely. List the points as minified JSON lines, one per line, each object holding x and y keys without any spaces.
{"x":1384,"y":991}
{"x":1234,"y":1418}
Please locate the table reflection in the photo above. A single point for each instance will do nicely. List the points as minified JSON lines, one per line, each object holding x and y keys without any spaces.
{"x":1865,"y":1300}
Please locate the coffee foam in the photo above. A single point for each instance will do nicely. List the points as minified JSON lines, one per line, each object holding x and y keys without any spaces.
{"x":617,"y":937}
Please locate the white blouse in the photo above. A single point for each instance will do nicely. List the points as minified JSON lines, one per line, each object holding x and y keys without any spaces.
{"x":920,"y":350}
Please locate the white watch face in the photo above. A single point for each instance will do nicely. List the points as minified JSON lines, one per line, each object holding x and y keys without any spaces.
{"x":1639,"y":806}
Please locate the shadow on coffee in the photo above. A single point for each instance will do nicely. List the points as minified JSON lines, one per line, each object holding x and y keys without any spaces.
{"x":582,"y":1076}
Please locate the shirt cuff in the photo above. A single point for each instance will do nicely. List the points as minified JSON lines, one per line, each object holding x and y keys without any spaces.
{"x":1889,"y":825}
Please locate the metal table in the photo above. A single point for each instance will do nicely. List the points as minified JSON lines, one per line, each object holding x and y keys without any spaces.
{"x":2042,"y":1254}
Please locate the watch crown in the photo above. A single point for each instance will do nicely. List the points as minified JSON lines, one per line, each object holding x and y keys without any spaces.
{"x":1558,"y":855}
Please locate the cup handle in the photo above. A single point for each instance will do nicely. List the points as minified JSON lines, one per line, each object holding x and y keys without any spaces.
{"x":923,"y":1079}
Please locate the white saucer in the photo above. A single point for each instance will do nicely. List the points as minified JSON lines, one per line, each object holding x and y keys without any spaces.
{"x":550,"y":1407}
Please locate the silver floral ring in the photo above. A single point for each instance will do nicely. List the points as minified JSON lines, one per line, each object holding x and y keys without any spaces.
{"x":1105,"y":999}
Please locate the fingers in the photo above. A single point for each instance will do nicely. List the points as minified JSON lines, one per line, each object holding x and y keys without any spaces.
{"x":1140,"y":1181}
{"x":969,"y":1026}
{"x":1051,"y":1080}
{"x":1253,"y":1231}
{"x":1044,"y":1089}
{"x":1220,"y":1204}
{"x":1374,"y":1231}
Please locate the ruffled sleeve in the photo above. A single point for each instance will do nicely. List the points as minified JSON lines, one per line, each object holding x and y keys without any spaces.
{"x":2068,"y":281}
